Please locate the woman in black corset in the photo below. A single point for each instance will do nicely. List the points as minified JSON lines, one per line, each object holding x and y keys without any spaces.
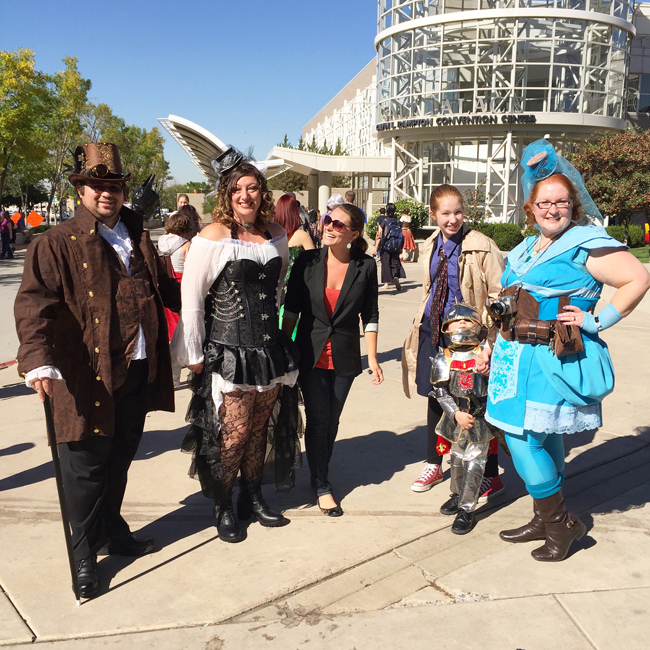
{"x":229,"y":338}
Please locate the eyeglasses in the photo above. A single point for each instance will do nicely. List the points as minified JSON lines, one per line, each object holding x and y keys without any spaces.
{"x":339,"y":226}
{"x":112,"y":188}
{"x":562,"y":204}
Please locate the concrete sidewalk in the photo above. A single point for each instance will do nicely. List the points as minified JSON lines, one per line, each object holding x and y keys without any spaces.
{"x":388,"y":574}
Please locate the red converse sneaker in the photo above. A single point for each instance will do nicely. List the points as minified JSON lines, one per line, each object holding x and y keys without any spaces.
{"x":490,"y":488}
{"x":431,"y":475}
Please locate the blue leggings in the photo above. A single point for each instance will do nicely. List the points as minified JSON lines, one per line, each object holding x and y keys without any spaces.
{"x":539,"y":460}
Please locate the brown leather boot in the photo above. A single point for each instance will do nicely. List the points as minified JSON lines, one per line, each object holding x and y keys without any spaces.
{"x":562,"y":528}
{"x":532,"y":531}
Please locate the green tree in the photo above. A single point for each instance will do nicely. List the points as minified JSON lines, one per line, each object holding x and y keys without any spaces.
{"x":289,"y":181}
{"x":616,"y":171}
{"x":24,"y":106}
{"x":169,"y":193}
{"x":474,"y":206}
{"x":68,"y":105}
{"x":141,"y":151}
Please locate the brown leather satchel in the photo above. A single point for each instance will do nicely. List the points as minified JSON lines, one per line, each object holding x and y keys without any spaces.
{"x":533,"y":330}
{"x":567,"y":340}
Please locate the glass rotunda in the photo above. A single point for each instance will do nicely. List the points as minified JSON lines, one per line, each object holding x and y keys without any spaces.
{"x":464,"y":85}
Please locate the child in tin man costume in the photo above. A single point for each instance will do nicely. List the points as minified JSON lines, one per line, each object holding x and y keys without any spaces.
{"x":462,"y":393}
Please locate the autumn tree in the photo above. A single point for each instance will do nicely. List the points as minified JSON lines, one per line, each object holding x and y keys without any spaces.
{"x":68,"y":103}
{"x":24,"y":107}
{"x":616,"y":171}
{"x":141,"y":151}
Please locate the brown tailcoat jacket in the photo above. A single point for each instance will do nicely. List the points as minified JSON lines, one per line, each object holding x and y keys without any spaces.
{"x":63,"y":314}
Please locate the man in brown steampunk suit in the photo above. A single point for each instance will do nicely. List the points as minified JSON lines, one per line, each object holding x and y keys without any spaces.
{"x":93,"y":336}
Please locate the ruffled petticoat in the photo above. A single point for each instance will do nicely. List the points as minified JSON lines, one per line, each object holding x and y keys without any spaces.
{"x":227,"y":368}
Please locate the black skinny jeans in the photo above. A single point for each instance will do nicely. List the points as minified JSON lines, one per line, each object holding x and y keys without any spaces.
{"x":324,"y":394}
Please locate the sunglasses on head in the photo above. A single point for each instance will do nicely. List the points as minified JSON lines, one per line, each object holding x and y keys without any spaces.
{"x":339,"y":226}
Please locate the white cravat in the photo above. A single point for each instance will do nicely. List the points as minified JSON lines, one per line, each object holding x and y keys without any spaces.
{"x":120,"y":240}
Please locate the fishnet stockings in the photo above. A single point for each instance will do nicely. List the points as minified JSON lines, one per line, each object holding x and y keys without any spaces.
{"x":244,"y":417}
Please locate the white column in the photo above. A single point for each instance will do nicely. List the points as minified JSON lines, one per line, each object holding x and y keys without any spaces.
{"x":312,"y":190}
{"x":324,"y":190}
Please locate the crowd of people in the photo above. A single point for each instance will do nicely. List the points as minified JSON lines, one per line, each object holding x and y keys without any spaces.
{"x":264,"y":307}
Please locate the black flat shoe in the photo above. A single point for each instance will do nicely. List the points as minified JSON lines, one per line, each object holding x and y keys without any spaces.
{"x":463,"y":523}
{"x":336,"y":511}
{"x":128,"y":545}
{"x":87,"y":577}
{"x":450,"y":507}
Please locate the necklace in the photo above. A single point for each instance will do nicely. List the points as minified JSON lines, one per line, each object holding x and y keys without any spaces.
{"x":248,"y":226}
{"x":536,"y":250}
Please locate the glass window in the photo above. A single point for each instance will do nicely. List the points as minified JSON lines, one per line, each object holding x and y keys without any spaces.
{"x":402,"y":41}
{"x":565,"y":101}
{"x":536,"y":27}
{"x":595,"y":79}
{"x":458,"y":53}
{"x":570,"y":29}
{"x":534,"y":51}
{"x":569,"y":52}
{"x":596,"y":55}
{"x":593,"y":103}
{"x":534,"y":100}
{"x":460,"y":32}
{"x":565,"y":76}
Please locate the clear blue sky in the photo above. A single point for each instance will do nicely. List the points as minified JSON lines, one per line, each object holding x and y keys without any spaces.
{"x":248,"y":71}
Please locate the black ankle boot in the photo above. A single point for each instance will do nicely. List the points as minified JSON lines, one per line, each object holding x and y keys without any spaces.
{"x":251,"y":502}
{"x":227,"y":524}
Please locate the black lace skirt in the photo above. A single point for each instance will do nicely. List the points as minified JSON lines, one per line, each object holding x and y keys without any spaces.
{"x":247,"y":367}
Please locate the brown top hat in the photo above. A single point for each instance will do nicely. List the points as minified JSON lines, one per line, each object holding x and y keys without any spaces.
{"x":98,"y":161}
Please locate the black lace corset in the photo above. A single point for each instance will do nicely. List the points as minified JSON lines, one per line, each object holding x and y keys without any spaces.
{"x":240,"y":307}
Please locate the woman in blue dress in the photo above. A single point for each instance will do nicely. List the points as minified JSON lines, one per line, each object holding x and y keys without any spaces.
{"x":535,"y":395}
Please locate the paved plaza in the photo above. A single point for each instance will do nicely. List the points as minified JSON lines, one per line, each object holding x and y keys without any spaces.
{"x":388,"y":574}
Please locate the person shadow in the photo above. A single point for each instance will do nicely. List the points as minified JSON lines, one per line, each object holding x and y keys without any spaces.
{"x":192,"y":517}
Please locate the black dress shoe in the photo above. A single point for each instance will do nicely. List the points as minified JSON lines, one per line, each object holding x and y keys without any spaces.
{"x":450,"y":507}
{"x":128,"y":545}
{"x":87,"y":577}
{"x":463,"y":523}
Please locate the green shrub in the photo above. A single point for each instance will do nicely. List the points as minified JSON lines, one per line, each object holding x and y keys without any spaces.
{"x":635,"y":234}
{"x":41,"y":228}
{"x":419,"y":213}
{"x":530,"y":231}
{"x":505,"y":235}
{"x":371,"y":225}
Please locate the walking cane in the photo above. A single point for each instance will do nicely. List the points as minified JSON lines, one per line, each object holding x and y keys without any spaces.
{"x":49,"y":421}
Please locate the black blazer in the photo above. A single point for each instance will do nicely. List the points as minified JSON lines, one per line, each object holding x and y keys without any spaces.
{"x":306,"y":297}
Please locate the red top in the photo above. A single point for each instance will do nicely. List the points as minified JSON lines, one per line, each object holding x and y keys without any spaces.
{"x":325,"y":360}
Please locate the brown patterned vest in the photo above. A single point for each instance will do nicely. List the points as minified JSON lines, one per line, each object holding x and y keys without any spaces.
{"x":132,"y":305}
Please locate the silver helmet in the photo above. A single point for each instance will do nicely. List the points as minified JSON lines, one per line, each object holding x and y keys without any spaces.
{"x":467,"y":335}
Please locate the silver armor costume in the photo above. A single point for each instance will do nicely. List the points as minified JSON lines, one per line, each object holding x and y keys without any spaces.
{"x":458,"y":387}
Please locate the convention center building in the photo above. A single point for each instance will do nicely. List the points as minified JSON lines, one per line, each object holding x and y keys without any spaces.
{"x":456,"y":91}
{"x":459,"y":87}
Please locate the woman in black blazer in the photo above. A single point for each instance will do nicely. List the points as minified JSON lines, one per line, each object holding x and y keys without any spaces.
{"x":329,"y":288}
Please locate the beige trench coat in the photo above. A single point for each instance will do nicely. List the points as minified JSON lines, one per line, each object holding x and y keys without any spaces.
{"x":480,"y":265}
